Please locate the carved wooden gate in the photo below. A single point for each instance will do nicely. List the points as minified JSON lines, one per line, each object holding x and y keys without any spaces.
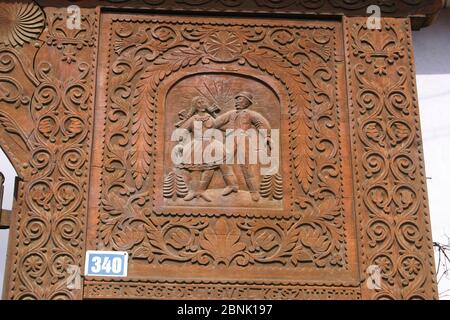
{"x":88,"y":116}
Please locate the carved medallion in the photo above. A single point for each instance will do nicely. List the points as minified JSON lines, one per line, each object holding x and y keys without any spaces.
{"x":20,"y":23}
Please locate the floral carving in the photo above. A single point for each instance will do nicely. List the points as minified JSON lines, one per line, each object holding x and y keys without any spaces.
{"x":222,"y":242}
{"x":380,"y":51}
{"x":70,"y":41}
{"x":54,"y":129}
{"x":223,"y":46}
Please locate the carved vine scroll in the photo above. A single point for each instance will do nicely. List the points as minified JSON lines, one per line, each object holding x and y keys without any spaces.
{"x":391,"y":201}
{"x":46,"y":107}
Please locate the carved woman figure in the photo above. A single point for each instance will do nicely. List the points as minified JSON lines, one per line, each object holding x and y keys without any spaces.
{"x":199,"y":117}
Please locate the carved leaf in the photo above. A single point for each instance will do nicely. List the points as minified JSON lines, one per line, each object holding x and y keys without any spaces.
{"x":222,"y":241}
{"x":128,"y":237}
{"x":113,"y":204}
{"x":144,"y":107}
{"x":143,"y":252}
{"x":11,"y":126}
{"x":300,"y":130}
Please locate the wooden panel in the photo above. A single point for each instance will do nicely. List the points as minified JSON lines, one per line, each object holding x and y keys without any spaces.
{"x":289,"y":231}
{"x":89,"y":132}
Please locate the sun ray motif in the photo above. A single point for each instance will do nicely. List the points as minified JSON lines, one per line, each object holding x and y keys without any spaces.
{"x":223,"y":46}
{"x":20,"y":23}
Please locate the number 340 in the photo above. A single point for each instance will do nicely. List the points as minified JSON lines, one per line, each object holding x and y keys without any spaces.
{"x":105,"y":264}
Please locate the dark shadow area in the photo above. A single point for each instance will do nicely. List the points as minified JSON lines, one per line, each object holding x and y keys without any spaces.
{"x":432,"y":46}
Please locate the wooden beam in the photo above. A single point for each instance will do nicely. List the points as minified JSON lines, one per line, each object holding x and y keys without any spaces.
{"x":5,"y":219}
{"x":422,"y":12}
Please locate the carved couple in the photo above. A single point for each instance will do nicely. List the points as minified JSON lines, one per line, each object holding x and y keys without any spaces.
{"x":240,"y":118}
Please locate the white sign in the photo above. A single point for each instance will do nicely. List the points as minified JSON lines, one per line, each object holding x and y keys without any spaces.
{"x":106,"y":263}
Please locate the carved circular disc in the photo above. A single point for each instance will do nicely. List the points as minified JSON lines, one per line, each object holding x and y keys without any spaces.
{"x":20,"y":23}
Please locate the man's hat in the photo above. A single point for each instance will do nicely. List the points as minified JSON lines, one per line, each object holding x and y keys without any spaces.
{"x":246,"y":95}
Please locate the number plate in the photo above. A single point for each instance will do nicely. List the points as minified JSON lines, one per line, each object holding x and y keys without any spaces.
{"x":106,"y":263}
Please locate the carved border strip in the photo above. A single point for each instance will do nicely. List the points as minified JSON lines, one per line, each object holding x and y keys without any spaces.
{"x":390,"y":188}
{"x":423,"y":12}
{"x":149,"y":289}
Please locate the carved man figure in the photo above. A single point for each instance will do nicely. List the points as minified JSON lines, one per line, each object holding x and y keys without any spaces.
{"x":244,"y":119}
{"x":200,"y":114}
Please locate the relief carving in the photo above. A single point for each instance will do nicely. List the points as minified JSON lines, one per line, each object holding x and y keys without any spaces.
{"x":388,"y":161}
{"x":21,"y":22}
{"x":210,"y":76}
{"x":228,"y":225}
{"x":222,"y":137}
{"x":50,"y":211}
{"x":347,"y":7}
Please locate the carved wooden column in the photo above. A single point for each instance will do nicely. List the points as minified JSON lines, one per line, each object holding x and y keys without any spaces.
{"x":87,"y":114}
{"x":46,"y":114}
{"x":390,"y":185}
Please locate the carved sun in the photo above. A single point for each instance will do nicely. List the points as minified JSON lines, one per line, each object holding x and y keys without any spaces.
{"x":223,"y":46}
{"x":20,"y":23}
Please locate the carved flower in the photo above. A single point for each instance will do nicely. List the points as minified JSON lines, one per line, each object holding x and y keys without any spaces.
{"x":222,"y":241}
{"x":380,"y":68}
{"x":62,"y":263}
{"x":223,"y":46}
{"x":20,"y":23}
{"x":74,"y":126}
{"x":46,"y":127}
{"x":129,"y":236}
{"x":265,"y":239}
{"x":412,"y":266}
{"x":384,"y":264}
{"x":33,"y":264}
{"x":178,"y":238}
{"x":379,"y":196}
{"x":314,"y":239}
{"x":374,"y":131}
{"x":400,"y":132}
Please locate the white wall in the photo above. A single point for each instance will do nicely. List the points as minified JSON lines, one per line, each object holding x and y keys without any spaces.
{"x":9,"y":173}
{"x":432,"y":53}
